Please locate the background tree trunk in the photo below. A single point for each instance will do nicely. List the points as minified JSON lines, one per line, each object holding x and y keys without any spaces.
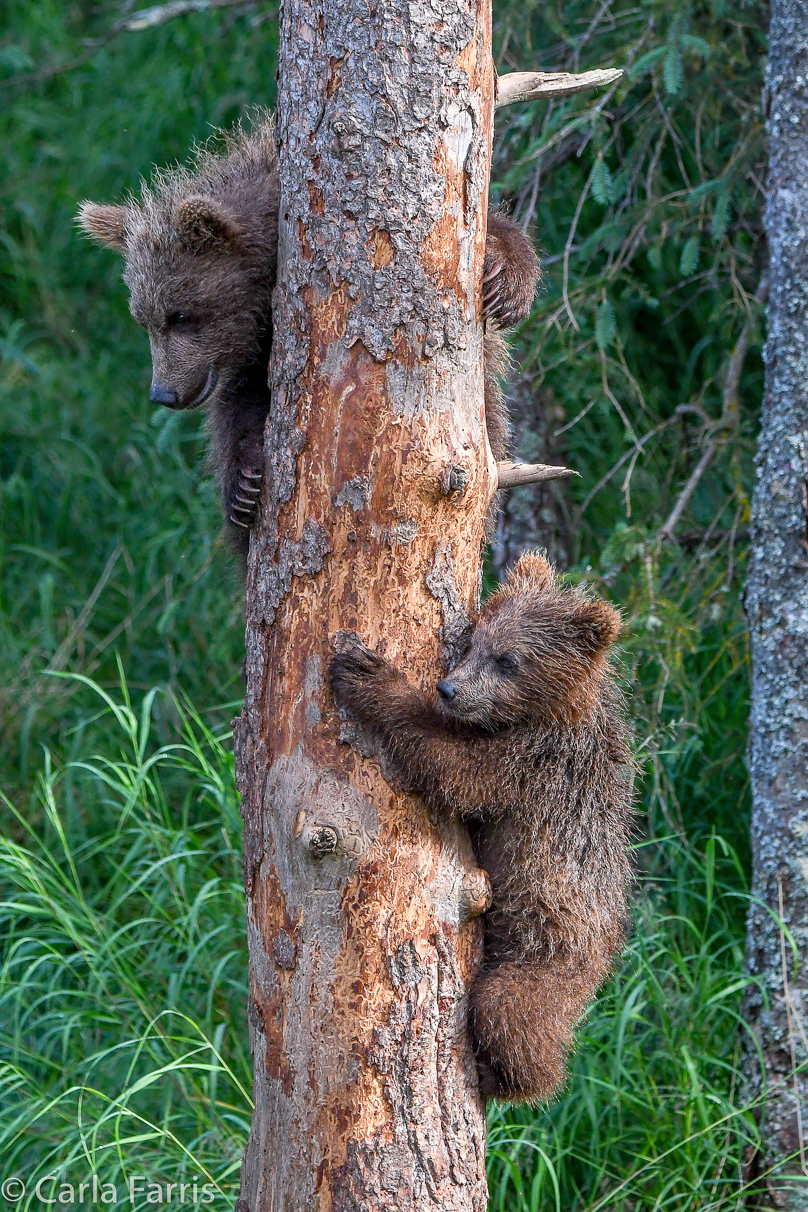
{"x":777,"y":609}
{"x":359,"y":906}
{"x":534,"y":515}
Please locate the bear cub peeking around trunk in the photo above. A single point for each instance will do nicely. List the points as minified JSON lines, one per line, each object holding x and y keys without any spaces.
{"x":529,"y":744}
{"x":200,"y":250}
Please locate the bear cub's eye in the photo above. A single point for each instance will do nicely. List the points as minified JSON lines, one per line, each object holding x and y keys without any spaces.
{"x":181,"y":321}
{"x":506,"y":663}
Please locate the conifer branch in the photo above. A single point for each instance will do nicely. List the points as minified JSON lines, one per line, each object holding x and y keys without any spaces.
{"x":159,"y":14}
{"x":726,"y":425}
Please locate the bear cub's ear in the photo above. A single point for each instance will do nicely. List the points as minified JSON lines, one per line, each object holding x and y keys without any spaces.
{"x":105,"y":224}
{"x":534,"y":571}
{"x":202,"y":224}
{"x":598,"y":624}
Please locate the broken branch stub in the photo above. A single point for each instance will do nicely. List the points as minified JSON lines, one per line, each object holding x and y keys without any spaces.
{"x":532,"y":86}
{"x":511,"y":475}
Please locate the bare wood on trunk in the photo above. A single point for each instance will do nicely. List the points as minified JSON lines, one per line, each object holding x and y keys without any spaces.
{"x":777,"y":611}
{"x":361,"y":909}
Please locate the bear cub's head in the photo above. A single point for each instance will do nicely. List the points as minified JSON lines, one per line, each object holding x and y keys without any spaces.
{"x":200,"y":249}
{"x":537,"y":653}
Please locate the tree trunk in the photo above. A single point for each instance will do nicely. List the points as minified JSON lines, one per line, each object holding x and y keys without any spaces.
{"x":777,"y":608}
{"x":360,"y":907}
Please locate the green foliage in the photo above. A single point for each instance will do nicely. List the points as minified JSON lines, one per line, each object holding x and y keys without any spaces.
{"x":122,"y":991}
{"x":123,"y":985}
{"x":646,"y":203}
{"x":108,"y":525}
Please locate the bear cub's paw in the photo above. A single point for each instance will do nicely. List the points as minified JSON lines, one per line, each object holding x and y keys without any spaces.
{"x":510,"y":273}
{"x":243,"y":500}
{"x":353,"y":673}
{"x":491,"y":1082}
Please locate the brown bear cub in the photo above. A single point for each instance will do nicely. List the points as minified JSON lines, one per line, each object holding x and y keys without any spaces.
{"x":201,"y":248}
{"x":529,"y":744}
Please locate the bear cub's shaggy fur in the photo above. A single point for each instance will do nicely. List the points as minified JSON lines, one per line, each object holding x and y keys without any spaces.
{"x":529,"y":744}
{"x":201,"y":248}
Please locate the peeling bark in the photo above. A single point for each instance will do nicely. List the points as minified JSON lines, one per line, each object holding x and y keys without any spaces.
{"x":363,"y":913}
{"x":777,"y":610}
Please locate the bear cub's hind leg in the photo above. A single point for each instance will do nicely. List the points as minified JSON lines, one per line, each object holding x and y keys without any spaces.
{"x":523,"y":1019}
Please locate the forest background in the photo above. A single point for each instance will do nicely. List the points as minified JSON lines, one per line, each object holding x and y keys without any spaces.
{"x":123,"y":1034}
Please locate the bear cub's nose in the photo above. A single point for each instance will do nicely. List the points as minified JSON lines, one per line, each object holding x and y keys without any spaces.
{"x":447,"y":691}
{"x":163,"y":395}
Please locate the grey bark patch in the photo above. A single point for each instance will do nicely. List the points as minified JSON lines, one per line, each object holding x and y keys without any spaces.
{"x":303,"y":558}
{"x":457,"y":627}
{"x":400,"y":534}
{"x":355,"y":493}
{"x":284,"y":950}
{"x":454,"y":481}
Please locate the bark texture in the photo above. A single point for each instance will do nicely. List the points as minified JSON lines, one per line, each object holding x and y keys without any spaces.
{"x":777,"y":609}
{"x":361,"y":910}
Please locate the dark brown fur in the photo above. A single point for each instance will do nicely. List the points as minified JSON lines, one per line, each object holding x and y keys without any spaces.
{"x":529,"y":745}
{"x":200,"y":247}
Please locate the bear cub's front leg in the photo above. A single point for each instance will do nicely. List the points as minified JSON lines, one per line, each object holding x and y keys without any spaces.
{"x":370,"y":689}
{"x":410,"y":736}
{"x":511,"y":272}
{"x":238,"y":440}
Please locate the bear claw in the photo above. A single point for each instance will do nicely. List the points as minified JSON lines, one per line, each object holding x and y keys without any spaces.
{"x":245,"y":499}
{"x":350,"y":670}
{"x":505,"y":298}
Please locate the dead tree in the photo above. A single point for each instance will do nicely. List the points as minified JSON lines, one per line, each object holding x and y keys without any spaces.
{"x":361,"y":909}
{"x":777,"y":610}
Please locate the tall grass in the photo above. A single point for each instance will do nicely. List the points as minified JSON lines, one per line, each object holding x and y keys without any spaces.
{"x":123,"y":999}
{"x":123,"y":986}
{"x":109,"y":524}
